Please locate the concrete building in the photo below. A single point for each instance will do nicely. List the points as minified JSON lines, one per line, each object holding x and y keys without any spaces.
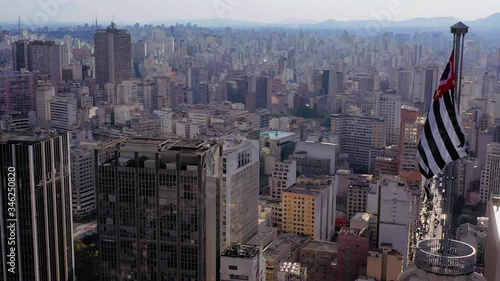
{"x":17,"y":92}
{"x":363,"y":138}
{"x":357,"y":196}
{"x":113,"y":55}
{"x":490,"y":181}
{"x":492,"y":246}
{"x":242,"y":262}
{"x":308,"y":208}
{"x":45,"y":92}
{"x":474,"y":235}
{"x":384,"y":263}
{"x":42,"y":247}
{"x":284,"y":175}
{"x":163,"y":195}
{"x":63,"y":112}
{"x":239,"y":191}
{"x":83,"y":180}
{"x":389,"y":107}
{"x":353,"y":245}
{"x":316,"y":158}
{"x":319,"y":258}
{"x":411,"y":126}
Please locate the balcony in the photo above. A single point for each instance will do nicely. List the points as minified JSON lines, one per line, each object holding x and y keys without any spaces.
{"x":459,"y":259}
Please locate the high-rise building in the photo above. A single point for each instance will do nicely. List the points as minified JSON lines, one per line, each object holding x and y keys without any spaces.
{"x":411,"y":126}
{"x":113,"y":55}
{"x":17,"y":92}
{"x":308,"y":208}
{"x":363,"y":138}
{"x":63,"y":112}
{"x":239,"y":191}
{"x":389,"y":107}
{"x":193,"y":84}
{"x":35,"y":179}
{"x":158,"y":209}
{"x":263,"y":92}
{"x":46,"y":57}
{"x":358,"y":195}
{"x":490,"y":179}
{"x":20,"y":55}
{"x":492,"y":246}
{"x":45,"y":92}
{"x":83,"y":180}
{"x":403,"y":83}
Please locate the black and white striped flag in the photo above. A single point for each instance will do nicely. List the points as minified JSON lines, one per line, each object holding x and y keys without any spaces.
{"x":443,"y":137}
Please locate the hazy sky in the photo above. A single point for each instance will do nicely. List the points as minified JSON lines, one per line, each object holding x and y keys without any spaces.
{"x":144,"y":11}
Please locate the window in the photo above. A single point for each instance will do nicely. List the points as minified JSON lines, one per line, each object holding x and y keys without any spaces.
{"x":233,"y":267}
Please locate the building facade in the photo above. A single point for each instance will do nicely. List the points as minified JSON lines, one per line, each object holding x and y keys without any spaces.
{"x":36,"y":221}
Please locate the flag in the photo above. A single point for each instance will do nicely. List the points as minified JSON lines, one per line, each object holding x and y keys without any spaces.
{"x":443,"y":137}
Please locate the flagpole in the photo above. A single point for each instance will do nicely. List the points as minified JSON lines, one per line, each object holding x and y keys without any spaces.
{"x":459,"y":30}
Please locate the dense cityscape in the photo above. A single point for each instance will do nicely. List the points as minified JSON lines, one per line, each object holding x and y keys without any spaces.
{"x":252,"y":152}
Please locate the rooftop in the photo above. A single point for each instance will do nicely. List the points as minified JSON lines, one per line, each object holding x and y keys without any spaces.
{"x":321,"y":246}
{"x":305,"y":189}
{"x":27,"y":137}
{"x":276,"y":135}
{"x":243,"y":251}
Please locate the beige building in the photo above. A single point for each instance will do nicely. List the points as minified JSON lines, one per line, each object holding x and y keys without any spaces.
{"x":309,"y":208}
{"x":384,"y":264}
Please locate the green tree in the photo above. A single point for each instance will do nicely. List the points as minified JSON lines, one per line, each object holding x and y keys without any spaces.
{"x":86,"y":254}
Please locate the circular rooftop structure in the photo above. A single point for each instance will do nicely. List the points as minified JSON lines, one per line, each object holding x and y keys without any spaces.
{"x":458,"y":259}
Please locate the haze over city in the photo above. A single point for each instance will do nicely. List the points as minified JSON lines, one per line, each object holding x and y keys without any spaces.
{"x":262,"y":11}
{"x":249,"y":140}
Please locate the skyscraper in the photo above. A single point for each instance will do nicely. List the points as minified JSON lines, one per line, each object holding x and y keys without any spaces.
{"x":239,"y":191}
{"x":490,"y":181}
{"x":158,"y":204}
{"x":46,"y":57}
{"x":113,"y":55}
{"x":36,"y":222}
{"x":17,"y":92}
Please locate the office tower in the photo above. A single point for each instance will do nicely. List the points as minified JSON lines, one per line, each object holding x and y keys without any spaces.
{"x":63,"y":112}
{"x":308,"y":208}
{"x":263,"y":92}
{"x":403,"y":83}
{"x":126,"y":92}
{"x":352,"y":253}
{"x":315,"y":158}
{"x":46,"y":57}
{"x":139,"y":52}
{"x":490,"y":179}
{"x":243,"y":262}
{"x":158,"y":209}
{"x":262,"y":117}
{"x":83,"y":180}
{"x":113,"y":55}
{"x":492,"y":246}
{"x":389,"y":107}
{"x":42,"y":229}
{"x":20,"y":55}
{"x":236,"y":89}
{"x":239,"y":191}
{"x":17,"y":92}
{"x":424,"y":84}
{"x":284,"y":175}
{"x":358,"y":195}
{"x":384,"y":263}
{"x":193,"y":84}
{"x":394,"y":215}
{"x":411,"y":126}
{"x":362,"y":137}
{"x":45,"y":92}
{"x":322,"y":82}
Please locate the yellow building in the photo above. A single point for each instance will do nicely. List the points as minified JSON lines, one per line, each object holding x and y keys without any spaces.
{"x":308,"y":208}
{"x":384,"y":264}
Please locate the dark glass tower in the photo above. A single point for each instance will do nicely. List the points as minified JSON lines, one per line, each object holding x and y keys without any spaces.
{"x":36,"y":224}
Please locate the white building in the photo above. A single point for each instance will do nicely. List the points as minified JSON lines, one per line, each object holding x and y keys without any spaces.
{"x":490,"y":175}
{"x":63,"y":112}
{"x":83,"y":180}
{"x":394,"y":216}
{"x":240,"y":191}
{"x":242,"y":262}
{"x":44,"y":93}
{"x":389,"y":107}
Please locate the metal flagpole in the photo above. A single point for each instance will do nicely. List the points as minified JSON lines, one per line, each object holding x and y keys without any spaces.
{"x":459,"y":30}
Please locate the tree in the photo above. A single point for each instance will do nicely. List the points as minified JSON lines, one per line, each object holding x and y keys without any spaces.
{"x":86,"y":254}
